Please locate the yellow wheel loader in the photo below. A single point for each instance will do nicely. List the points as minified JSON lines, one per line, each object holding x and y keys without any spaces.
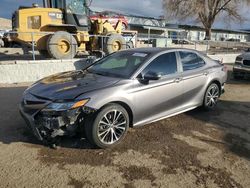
{"x":61,"y":28}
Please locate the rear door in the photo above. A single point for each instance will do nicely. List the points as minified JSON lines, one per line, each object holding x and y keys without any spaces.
{"x":194,"y":77}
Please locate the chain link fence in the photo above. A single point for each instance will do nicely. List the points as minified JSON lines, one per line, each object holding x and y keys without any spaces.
{"x":39,"y":40}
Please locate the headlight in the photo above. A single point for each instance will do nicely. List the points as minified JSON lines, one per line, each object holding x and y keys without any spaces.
{"x":238,"y":63}
{"x":65,"y":106}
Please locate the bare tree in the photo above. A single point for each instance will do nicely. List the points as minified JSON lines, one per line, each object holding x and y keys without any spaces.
{"x":205,"y":11}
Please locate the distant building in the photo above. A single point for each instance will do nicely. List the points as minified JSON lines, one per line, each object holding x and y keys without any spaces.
{"x":188,"y":32}
{"x":196,"y":33}
{"x":5,"y":24}
{"x":149,"y":27}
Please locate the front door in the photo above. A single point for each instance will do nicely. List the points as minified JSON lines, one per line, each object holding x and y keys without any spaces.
{"x":158,"y":98}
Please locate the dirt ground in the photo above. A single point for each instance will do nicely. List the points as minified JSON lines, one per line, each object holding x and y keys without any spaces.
{"x":194,"y":149}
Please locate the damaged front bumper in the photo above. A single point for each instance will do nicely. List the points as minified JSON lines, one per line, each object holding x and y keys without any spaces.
{"x":49,"y":125}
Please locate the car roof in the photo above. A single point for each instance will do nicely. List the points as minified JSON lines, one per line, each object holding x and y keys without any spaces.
{"x":156,"y":50}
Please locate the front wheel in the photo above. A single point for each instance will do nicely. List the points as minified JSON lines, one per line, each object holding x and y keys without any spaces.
{"x":211,"y":96}
{"x":109,"y":127}
{"x":62,"y":45}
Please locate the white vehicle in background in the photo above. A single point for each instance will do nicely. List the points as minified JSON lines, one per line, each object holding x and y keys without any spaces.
{"x":241,"y":67}
{"x":2,"y":34}
{"x":1,"y":43}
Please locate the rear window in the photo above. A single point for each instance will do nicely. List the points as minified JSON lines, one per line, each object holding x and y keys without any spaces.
{"x":191,"y":61}
{"x":164,"y":64}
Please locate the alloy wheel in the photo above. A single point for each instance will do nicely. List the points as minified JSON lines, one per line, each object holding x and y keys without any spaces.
{"x":112,"y":127}
{"x":212,"y":96}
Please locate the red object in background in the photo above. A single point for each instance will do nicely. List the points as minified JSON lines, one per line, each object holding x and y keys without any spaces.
{"x":112,"y":18}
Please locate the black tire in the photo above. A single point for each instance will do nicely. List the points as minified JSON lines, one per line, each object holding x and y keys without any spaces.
{"x":93,"y":126}
{"x":115,"y":42}
{"x":210,"y":103}
{"x":62,"y":45}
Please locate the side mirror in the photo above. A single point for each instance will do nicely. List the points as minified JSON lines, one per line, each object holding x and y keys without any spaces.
{"x":152,"y":76}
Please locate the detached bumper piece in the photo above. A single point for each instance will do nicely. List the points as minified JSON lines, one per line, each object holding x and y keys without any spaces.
{"x":30,"y":123}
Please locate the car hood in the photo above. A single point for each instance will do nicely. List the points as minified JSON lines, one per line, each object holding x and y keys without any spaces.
{"x":69,"y":85}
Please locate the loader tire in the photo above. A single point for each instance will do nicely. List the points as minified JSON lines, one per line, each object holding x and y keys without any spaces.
{"x":114,"y":43}
{"x":62,"y":45}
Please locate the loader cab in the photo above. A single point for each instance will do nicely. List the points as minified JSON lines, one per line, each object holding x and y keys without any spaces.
{"x":75,"y":12}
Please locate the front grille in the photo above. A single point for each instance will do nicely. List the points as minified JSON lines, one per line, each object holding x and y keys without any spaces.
{"x":32,"y":104}
{"x":246,"y":62}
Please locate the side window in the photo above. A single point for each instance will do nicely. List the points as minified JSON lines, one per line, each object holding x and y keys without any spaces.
{"x":164,"y":64}
{"x":191,"y":61}
{"x":34,"y":22}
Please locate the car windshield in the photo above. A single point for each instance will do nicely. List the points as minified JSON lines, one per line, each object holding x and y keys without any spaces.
{"x":120,"y":64}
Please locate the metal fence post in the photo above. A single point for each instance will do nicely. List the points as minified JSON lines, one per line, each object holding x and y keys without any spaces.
{"x":207,"y":47}
{"x":227,"y":47}
{"x":148,"y":35}
{"x":71,"y":49}
{"x":102,"y":42}
{"x":33,"y":46}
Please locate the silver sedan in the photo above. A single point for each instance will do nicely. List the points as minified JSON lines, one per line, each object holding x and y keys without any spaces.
{"x":125,"y":89}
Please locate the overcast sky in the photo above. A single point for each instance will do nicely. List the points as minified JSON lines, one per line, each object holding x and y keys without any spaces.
{"x":151,"y":8}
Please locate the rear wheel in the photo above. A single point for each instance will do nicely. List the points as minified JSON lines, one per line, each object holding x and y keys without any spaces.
{"x":211,"y":96}
{"x":62,"y":45}
{"x":115,"y":43}
{"x":109,"y":127}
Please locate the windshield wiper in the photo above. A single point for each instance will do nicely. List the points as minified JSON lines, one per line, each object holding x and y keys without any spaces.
{"x":101,"y":73}
{"x":104,"y":73}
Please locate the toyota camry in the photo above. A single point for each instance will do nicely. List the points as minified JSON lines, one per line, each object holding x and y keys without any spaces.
{"x":125,"y":89}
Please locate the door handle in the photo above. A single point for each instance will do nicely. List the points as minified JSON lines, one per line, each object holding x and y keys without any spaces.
{"x":177,"y":80}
